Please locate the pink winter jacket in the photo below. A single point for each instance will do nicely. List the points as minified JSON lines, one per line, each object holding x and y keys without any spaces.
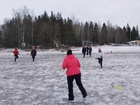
{"x":72,"y":64}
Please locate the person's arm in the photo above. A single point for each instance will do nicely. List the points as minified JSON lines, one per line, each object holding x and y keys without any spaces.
{"x":102,"y":54}
{"x":64,"y":64}
{"x":82,"y":50}
{"x":35,"y":52}
{"x":31,"y":52}
{"x":18,"y":52}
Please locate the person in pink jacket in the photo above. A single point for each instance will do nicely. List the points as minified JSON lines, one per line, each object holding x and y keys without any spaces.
{"x":16,"y":53}
{"x":72,"y":64}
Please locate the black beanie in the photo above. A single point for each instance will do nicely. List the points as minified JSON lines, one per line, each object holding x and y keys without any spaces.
{"x":69,"y":52}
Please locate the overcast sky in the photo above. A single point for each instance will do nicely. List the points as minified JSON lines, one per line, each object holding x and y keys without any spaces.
{"x":118,"y":12}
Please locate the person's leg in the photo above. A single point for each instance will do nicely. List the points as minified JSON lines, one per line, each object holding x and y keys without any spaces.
{"x":70,"y":87}
{"x":100,"y":61}
{"x":15,"y":57}
{"x":84,"y":55}
{"x":33,"y":57}
{"x":87,"y":52}
{"x":80,"y":85}
{"x":90,"y":54}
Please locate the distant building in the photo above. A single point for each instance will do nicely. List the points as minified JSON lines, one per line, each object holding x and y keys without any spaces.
{"x":134,"y":42}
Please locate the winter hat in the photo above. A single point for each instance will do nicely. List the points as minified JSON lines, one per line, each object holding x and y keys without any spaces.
{"x":69,"y":52}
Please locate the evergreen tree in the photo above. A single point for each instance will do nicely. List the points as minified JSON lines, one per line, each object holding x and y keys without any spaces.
{"x":119,"y":36}
{"x":1,"y":39}
{"x":10,"y":34}
{"x":86,"y":32}
{"x":133,"y":34}
{"x":125,"y":35}
{"x":137,"y":33}
{"x":91,"y":33}
{"x":128,"y":33}
{"x":95,"y":39}
{"x":103,"y":37}
{"x":71,"y":38}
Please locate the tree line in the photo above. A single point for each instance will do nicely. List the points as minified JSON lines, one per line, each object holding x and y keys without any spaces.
{"x":25,"y":30}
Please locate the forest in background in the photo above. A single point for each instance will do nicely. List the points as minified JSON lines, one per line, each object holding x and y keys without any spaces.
{"x":25,"y":30}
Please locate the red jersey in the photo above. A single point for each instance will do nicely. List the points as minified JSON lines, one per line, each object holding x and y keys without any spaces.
{"x":15,"y":52}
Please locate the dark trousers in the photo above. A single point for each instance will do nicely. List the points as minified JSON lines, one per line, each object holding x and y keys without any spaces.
{"x":70,"y":80}
{"x":90,"y":54}
{"x":16,"y":56}
{"x":100,"y":60}
{"x":84,"y":54}
{"x":33,"y":57}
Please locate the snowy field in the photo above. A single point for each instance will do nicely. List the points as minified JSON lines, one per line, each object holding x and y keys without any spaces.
{"x":43,"y":82}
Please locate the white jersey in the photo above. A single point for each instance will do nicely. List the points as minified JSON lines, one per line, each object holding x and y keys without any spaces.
{"x":99,"y":55}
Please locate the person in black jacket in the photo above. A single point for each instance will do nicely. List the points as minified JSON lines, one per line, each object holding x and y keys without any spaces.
{"x":84,"y":51}
{"x":33,"y":53}
{"x":90,"y":50}
{"x":87,"y":50}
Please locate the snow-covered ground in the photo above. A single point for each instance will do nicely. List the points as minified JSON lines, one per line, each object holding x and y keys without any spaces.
{"x":43,"y":82}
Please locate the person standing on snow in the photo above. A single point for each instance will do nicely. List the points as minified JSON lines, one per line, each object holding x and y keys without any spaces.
{"x":73,"y":73}
{"x":33,"y":53}
{"x":16,"y":53}
{"x":84,"y":51}
{"x":87,"y":50}
{"x":90,"y":50}
{"x":99,"y":56}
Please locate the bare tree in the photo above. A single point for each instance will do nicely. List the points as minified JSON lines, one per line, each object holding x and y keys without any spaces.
{"x":20,"y":24}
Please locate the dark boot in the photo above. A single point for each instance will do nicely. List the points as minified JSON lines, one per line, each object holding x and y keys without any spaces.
{"x":71,"y":97}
